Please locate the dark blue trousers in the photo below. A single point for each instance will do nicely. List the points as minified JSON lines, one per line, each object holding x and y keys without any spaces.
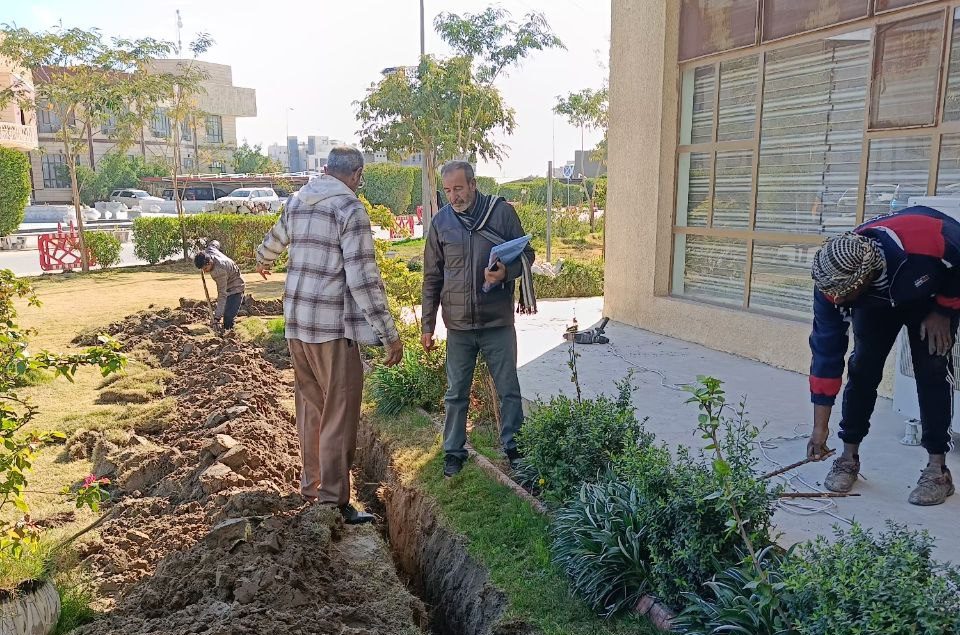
{"x":875,"y":331}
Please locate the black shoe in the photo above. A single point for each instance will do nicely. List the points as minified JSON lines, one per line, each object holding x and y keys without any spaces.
{"x":514,"y":456}
{"x":353,"y":517}
{"x":452,"y":464}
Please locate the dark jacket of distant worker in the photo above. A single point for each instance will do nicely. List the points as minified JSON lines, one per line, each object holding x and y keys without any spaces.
{"x":455,"y":268}
{"x":334,"y":300}
{"x":899,"y":270}
{"x":230,"y":285}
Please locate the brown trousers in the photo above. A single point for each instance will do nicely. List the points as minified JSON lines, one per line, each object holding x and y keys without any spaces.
{"x":328,"y":386}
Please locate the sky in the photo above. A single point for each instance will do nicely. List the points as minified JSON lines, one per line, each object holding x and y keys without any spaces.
{"x":319,"y":57}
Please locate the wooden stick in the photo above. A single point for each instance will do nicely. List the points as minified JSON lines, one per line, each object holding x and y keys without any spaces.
{"x":795,"y":465}
{"x":206,"y":292}
{"x":816,"y":495}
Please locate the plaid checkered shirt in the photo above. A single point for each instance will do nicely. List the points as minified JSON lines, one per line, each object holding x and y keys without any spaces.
{"x":333,"y":288}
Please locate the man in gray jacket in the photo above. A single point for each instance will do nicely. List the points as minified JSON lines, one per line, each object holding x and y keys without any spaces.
{"x":455,"y":269}
{"x":230,"y":285}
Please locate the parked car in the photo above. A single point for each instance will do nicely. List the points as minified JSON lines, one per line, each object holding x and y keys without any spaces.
{"x":254,"y":199}
{"x":134,"y":198}
{"x":196,"y":193}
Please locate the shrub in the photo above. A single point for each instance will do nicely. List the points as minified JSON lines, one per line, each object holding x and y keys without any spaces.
{"x":860,"y":583}
{"x":417,"y":381}
{"x":156,"y":239}
{"x":487,"y":184}
{"x":599,"y":542}
{"x":389,"y":185}
{"x":104,"y":247}
{"x":739,"y":600}
{"x":566,"y":442}
{"x":575,"y":280}
{"x":535,"y":191}
{"x":14,"y":188}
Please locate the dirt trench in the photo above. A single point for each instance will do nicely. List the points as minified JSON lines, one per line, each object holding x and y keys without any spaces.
{"x":206,"y":533}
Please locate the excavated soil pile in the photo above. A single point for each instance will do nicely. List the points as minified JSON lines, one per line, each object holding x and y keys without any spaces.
{"x":207,"y":534}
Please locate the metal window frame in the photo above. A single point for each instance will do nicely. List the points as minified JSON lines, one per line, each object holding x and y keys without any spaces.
{"x":218,"y":137}
{"x":751,"y":235}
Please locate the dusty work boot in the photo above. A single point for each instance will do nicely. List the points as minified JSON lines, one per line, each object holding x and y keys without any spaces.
{"x":842,"y":475}
{"x":352,"y":516}
{"x":514,"y":456}
{"x":934,"y":486}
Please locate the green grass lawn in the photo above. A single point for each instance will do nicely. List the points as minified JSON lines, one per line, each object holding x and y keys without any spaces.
{"x":504,"y":533}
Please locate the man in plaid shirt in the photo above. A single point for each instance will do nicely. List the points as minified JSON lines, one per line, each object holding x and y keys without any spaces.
{"x":334,"y":300}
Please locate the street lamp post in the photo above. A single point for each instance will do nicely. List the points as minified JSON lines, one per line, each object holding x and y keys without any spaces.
{"x":426,"y":187}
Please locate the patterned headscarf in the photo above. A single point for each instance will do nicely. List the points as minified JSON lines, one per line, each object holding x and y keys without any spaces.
{"x":845,"y":262}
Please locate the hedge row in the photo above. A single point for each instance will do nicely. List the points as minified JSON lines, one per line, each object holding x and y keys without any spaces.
{"x":156,"y":239}
{"x":14,"y":189}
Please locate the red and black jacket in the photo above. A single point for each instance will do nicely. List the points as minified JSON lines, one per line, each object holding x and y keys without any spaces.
{"x":922,"y":250}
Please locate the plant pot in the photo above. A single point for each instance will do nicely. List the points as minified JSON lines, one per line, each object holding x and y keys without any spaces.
{"x":31,"y":612}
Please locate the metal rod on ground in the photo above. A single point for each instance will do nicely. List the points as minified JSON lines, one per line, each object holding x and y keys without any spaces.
{"x":549,"y":206}
{"x":206,"y":292}
{"x":795,"y":465}
{"x":816,"y":495}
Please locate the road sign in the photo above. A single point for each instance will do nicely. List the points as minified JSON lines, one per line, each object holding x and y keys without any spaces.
{"x":567,"y":171}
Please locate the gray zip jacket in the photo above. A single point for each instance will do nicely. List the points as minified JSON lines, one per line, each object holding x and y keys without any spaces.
{"x":226,"y":274}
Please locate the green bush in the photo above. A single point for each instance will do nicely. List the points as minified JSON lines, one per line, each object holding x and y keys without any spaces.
{"x":14,"y":189}
{"x":487,"y":184}
{"x":575,"y":280}
{"x":859,"y":583}
{"x":104,"y":247}
{"x":417,"y":381}
{"x":535,"y":191}
{"x":566,"y":442}
{"x":389,"y":185}
{"x":156,"y":239}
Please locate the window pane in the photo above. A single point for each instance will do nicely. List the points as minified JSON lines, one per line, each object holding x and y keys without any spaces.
{"x":788,"y":17}
{"x":780,"y":279}
{"x":908,"y":72}
{"x":696,"y":124}
{"x":710,"y":26}
{"x":948,"y":175}
{"x":731,"y":202}
{"x":710,"y":268}
{"x":898,"y":169}
{"x":811,"y":134}
{"x":693,"y":189}
{"x":886,"y":5}
{"x":951,"y":102}
{"x":738,"y":99}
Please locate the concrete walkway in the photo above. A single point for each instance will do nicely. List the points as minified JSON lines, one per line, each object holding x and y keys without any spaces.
{"x":778,"y":398}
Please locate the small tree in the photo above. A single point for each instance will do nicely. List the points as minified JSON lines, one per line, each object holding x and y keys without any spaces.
{"x":14,"y":188}
{"x":80,"y":81}
{"x":115,"y":171}
{"x":249,"y":159}
{"x":390,"y":185}
{"x":449,"y":108}
{"x":586,"y":109}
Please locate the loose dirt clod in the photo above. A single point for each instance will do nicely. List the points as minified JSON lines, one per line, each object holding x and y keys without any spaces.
{"x":208,"y":533}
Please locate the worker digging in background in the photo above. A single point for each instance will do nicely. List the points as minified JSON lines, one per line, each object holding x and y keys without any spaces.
{"x":898,"y":270}
{"x":230,"y":285}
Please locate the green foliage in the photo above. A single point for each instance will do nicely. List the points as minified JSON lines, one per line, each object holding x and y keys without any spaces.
{"x":115,"y":171}
{"x":859,"y":584}
{"x":33,"y":561}
{"x":417,"y":381}
{"x":586,"y":108}
{"x":156,"y":239}
{"x":104,"y":247}
{"x":575,"y":280}
{"x":597,"y":188}
{"x":567,"y":442}
{"x":249,"y":159}
{"x":487,"y":184}
{"x":740,"y":600}
{"x":599,"y":541}
{"x":76,"y":600}
{"x":389,"y":185}
{"x":534,"y":191}
{"x":19,"y":448}
{"x":14,"y":188}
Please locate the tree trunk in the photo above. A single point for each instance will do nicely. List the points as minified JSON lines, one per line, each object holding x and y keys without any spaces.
{"x":430,"y":181}
{"x":177,"y":198}
{"x":75,"y":190}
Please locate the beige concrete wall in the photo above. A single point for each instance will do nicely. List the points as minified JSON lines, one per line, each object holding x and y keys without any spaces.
{"x":644,"y":84}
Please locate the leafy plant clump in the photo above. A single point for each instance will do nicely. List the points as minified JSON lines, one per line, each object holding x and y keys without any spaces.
{"x":567,"y":442}
{"x":156,"y":239}
{"x":104,"y":248}
{"x":417,"y":381}
{"x":575,"y":280}
{"x":14,"y":188}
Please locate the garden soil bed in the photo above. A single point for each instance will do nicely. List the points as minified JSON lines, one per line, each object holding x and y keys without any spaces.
{"x":206,"y":533}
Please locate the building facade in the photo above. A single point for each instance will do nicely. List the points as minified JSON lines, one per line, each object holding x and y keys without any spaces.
{"x":744,"y":132}
{"x":309,"y":155}
{"x":204,"y":148}
{"x":18,"y":129}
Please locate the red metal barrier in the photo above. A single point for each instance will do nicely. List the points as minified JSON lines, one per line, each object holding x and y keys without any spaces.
{"x":402,"y":225}
{"x":60,"y":250}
